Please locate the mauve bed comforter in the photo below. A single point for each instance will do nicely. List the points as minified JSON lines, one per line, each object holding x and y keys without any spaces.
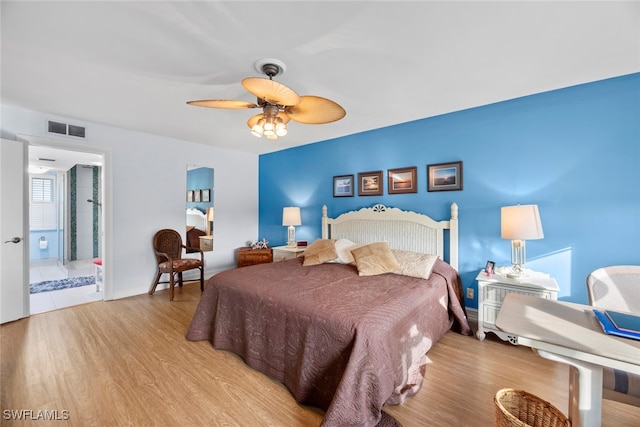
{"x":343,"y":343}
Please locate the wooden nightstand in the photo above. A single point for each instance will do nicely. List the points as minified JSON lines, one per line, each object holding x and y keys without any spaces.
{"x":285,"y":252}
{"x":491,"y":293}
{"x":248,"y":256}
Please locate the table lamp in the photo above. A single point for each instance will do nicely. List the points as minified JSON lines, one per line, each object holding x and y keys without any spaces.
{"x":520,"y":223}
{"x":291,"y":218}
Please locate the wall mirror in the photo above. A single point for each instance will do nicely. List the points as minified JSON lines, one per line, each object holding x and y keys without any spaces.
{"x":200,"y":208}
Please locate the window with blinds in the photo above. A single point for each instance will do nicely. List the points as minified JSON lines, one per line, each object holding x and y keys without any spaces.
{"x":43,"y":206}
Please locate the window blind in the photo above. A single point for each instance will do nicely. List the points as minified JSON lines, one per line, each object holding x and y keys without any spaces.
{"x":43,"y":208}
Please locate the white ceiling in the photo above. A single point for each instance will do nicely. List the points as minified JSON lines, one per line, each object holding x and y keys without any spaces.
{"x":135,"y":64}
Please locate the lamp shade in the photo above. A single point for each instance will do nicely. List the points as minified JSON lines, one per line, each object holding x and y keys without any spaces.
{"x":291,"y":216}
{"x":521,"y":223}
{"x":210,"y":214}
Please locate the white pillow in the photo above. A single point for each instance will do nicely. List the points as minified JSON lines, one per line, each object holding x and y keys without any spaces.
{"x":414,"y":264}
{"x":343,"y":248}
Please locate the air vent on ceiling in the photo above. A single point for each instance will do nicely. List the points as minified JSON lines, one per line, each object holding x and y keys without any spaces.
{"x":60,"y":128}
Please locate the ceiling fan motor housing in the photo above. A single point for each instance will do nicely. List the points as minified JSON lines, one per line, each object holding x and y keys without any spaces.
{"x":271,"y":70}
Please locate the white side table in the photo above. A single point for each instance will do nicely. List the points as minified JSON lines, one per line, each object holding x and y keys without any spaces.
{"x":492,"y":290}
{"x":281,"y":253}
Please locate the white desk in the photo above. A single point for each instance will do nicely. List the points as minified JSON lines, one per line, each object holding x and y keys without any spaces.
{"x":569,"y":333}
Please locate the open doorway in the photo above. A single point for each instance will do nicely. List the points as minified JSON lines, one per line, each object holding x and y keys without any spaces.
{"x":65,"y":227}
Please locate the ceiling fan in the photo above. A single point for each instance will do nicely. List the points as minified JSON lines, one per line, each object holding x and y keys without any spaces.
{"x":279,"y":103}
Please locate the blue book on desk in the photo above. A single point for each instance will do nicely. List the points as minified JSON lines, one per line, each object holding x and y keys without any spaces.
{"x":625,"y":325}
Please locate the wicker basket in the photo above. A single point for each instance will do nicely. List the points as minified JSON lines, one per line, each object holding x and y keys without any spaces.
{"x":517,"y":408}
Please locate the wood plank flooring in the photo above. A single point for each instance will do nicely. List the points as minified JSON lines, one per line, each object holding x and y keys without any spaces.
{"x":127,"y":363}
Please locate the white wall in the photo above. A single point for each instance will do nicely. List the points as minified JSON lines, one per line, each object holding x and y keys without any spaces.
{"x":145,"y":191}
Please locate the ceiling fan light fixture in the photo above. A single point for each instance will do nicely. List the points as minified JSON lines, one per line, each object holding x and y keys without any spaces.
{"x":258,"y":128}
{"x":269,"y":127}
{"x":281,"y":128}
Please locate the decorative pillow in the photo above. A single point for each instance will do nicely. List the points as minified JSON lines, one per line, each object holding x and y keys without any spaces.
{"x":374,"y":259}
{"x":414,"y":264}
{"x":344,"y":248}
{"x":320,"y":251}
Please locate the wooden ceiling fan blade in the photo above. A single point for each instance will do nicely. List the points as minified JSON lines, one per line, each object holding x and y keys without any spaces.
{"x":315,"y":110}
{"x":271,"y":91}
{"x":222,"y":103}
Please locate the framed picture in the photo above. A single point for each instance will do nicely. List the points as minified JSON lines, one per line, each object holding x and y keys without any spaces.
{"x":197,"y":196}
{"x":370,"y":183}
{"x":403,"y":180}
{"x":189,"y":195}
{"x":343,"y":186}
{"x":444,"y":176}
{"x":206,"y":195}
{"x":490,"y":268}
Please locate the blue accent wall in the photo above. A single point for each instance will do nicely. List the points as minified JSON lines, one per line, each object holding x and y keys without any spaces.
{"x":574,"y":151}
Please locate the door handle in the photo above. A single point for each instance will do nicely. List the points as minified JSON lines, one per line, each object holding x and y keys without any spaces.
{"x":14,"y":240}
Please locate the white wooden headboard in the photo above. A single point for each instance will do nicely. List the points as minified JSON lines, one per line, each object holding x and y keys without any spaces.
{"x":404,"y":230}
{"x":196,"y":218}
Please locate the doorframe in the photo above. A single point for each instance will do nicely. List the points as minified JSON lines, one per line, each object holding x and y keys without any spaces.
{"x":107,"y":197}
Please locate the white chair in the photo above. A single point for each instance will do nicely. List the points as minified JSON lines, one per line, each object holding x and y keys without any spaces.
{"x":617,"y":288}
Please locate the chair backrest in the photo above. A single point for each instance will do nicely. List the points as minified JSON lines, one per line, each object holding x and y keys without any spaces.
{"x":616,"y":287}
{"x":169,"y":242}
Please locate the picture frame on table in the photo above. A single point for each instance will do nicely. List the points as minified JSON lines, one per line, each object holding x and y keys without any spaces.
{"x":403,"y":180}
{"x":343,"y":186}
{"x":206,"y":195}
{"x":370,"y":183}
{"x":444,"y":176}
{"x":490,"y":268}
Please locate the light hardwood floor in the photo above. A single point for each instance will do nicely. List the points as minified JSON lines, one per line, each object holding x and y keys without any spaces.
{"x":127,"y":363}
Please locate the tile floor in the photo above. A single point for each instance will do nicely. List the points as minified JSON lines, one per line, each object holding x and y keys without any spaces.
{"x":54,"y":300}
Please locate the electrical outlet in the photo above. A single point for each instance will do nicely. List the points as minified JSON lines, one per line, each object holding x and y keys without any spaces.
{"x":469,"y":293}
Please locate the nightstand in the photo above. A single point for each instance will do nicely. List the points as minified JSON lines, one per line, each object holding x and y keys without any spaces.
{"x":281,"y":253}
{"x":492,"y":290}
{"x":248,"y":256}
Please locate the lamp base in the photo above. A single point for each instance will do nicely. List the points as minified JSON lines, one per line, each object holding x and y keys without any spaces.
{"x":517,"y":272}
{"x":517,"y":276}
{"x":291,"y":241}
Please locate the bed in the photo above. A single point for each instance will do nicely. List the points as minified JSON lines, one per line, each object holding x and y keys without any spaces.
{"x":340,"y":337}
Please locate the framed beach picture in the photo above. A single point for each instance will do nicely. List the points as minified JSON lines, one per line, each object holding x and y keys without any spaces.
{"x":403,"y":180}
{"x":206,"y":195}
{"x":444,"y":176}
{"x":189,"y":195}
{"x":370,"y":183}
{"x":197,"y":196}
{"x":343,"y":186}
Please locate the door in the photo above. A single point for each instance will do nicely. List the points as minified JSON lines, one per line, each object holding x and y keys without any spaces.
{"x":14,"y":292}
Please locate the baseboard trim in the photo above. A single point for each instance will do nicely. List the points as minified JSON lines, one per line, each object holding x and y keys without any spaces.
{"x":472,"y":314}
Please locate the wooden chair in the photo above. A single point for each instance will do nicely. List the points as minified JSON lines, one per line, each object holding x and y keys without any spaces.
{"x":617,"y":288}
{"x":168,"y":248}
